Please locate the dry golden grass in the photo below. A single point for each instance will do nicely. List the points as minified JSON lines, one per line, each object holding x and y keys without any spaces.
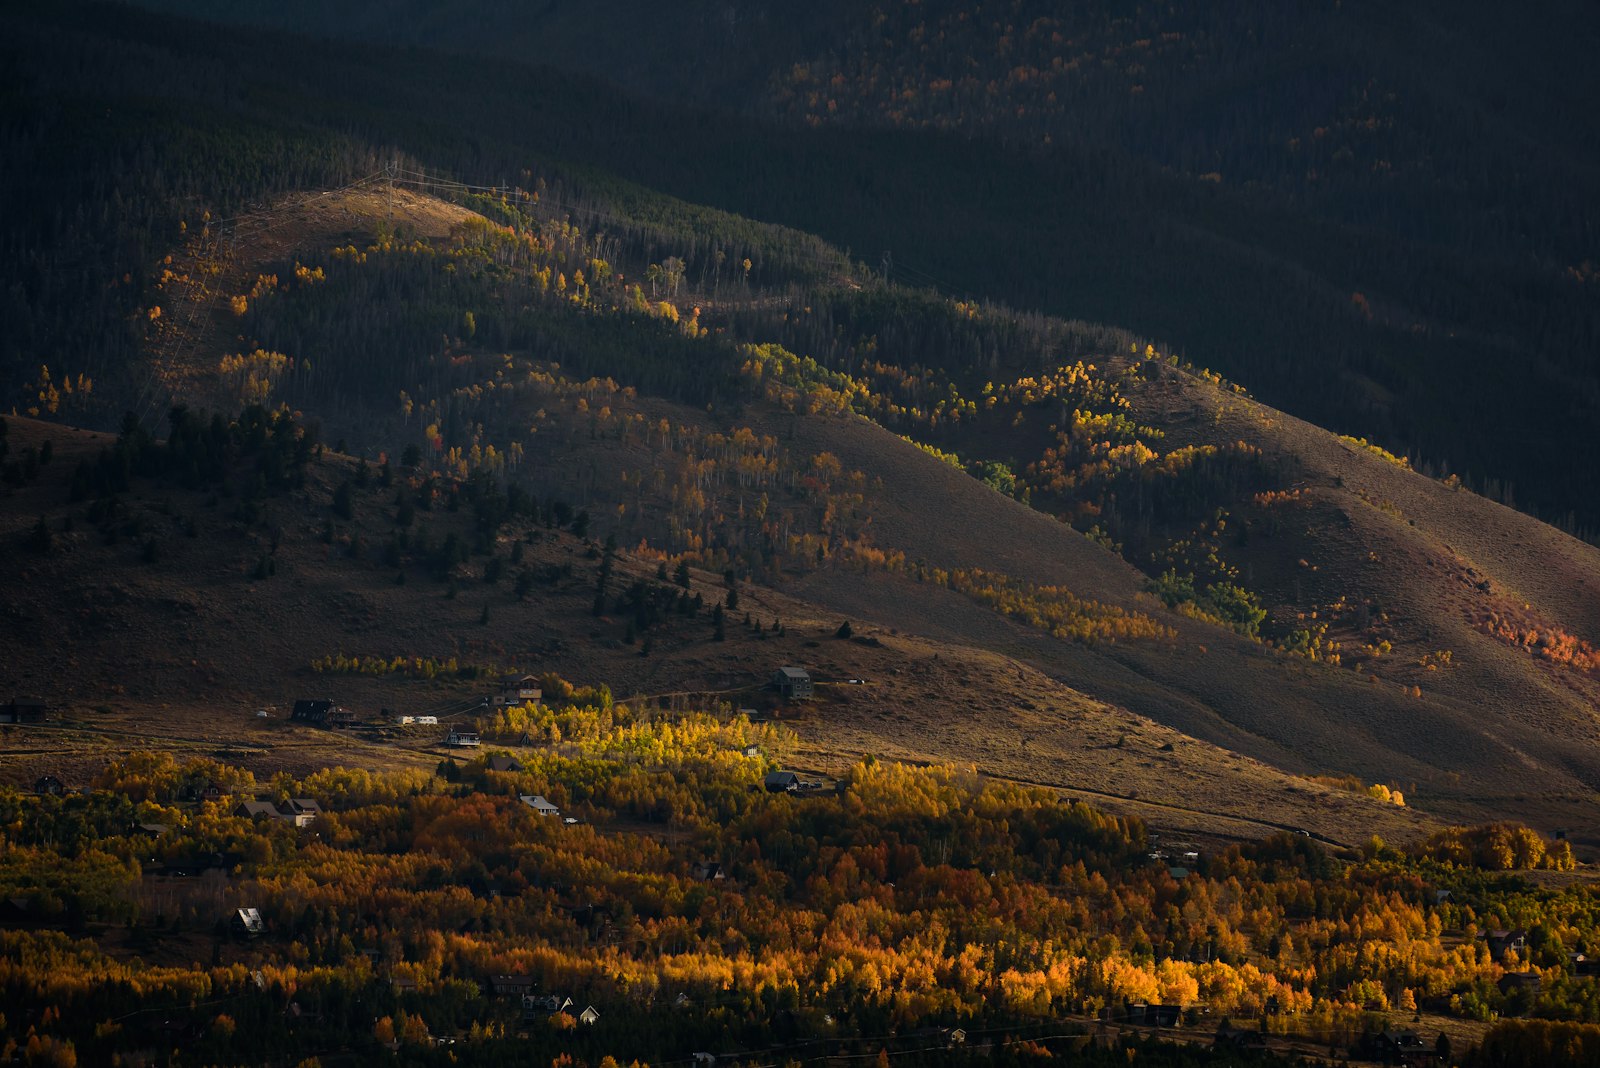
{"x":180,"y":654}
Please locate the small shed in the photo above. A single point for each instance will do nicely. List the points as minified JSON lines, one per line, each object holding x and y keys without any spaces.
{"x":779,"y":781}
{"x":794,"y":683}
{"x":247,"y":923}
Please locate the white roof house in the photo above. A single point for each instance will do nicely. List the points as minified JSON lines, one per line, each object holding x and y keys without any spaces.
{"x":538,"y":803}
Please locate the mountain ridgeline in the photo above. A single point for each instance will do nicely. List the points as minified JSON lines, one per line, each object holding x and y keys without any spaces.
{"x":502,"y":274}
{"x":1381,"y":220}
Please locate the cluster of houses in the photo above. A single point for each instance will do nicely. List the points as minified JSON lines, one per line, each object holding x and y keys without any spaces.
{"x":791,"y":683}
{"x":512,"y":690}
{"x":1397,"y":1047}
{"x":537,"y":1006}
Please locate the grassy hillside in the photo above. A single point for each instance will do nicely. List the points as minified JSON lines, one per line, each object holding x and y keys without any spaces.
{"x":742,"y":398}
{"x":737,"y":456}
{"x":217,"y":604}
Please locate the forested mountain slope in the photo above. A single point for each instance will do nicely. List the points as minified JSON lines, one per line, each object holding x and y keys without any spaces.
{"x":1347,"y":205}
{"x":421,"y":255}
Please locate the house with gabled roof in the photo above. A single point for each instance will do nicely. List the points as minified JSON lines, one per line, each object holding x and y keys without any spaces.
{"x":536,"y":1005}
{"x":17,"y":910}
{"x":794,"y":683}
{"x":539,"y":804}
{"x":518,"y":690}
{"x":779,"y":781}
{"x":504,"y":762}
{"x":512,"y":985}
{"x":247,"y":923}
{"x":257,"y":810}
{"x":462,"y":739}
{"x":1503,"y":942}
{"x":303,"y":811}
{"x":311,"y":710}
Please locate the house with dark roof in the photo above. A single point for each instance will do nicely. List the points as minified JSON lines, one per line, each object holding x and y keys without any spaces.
{"x":537,"y":1005}
{"x":315,"y":712}
{"x":512,"y":985}
{"x":1239,"y":1038}
{"x":1144,"y":1015}
{"x":779,"y":781}
{"x":462,"y":739}
{"x":518,"y":690}
{"x":257,"y":810}
{"x":49,"y":784}
{"x":1503,"y":942}
{"x":16,"y":911}
{"x":794,"y":683}
{"x":1396,"y":1047}
{"x":1531,"y":981}
{"x":303,"y":811}
{"x":504,"y":762}
{"x":22,"y":710}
